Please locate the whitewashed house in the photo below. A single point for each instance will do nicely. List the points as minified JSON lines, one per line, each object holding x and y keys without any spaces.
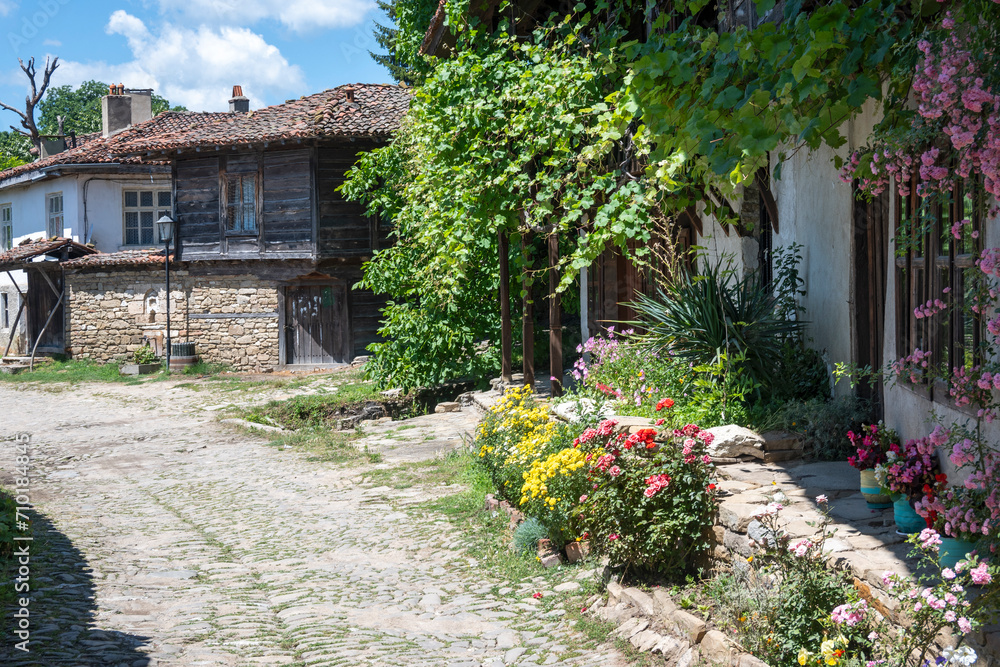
{"x":77,"y":190}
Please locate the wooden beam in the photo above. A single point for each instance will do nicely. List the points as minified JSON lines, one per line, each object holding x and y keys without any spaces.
{"x":555,"y":318}
{"x":763,"y":178}
{"x":528,"y":319}
{"x":506,"y":333}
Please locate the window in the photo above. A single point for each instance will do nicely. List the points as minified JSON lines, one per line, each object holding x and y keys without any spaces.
{"x":6,"y":228}
{"x":241,"y":205}
{"x":5,"y":307}
{"x":935,"y":261}
{"x":54,"y":206}
{"x":142,"y":209}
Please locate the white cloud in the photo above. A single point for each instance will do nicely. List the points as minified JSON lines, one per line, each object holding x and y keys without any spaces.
{"x":7,"y":6}
{"x":297,"y":15}
{"x":196,"y":67}
{"x":52,"y":42}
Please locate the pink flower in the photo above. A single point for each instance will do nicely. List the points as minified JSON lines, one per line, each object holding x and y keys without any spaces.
{"x":614,"y":471}
{"x":612,"y":537}
{"x":948,"y":573}
{"x":964,"y":625}
{"x":980,"y":575}
{"x":821,"y":499}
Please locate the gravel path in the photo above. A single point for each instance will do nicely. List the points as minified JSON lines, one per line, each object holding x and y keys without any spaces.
{"x":172,"y":540}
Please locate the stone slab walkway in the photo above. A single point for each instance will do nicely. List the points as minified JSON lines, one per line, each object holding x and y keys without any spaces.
{"x":172,"y":540}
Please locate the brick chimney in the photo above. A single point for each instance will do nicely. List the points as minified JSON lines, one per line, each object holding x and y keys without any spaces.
{"x":349,"y":93}
{"x":238,"y":103}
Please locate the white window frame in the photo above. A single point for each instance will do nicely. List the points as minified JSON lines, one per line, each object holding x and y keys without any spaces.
{"x":6,"y":227}
{"x":55,"y":221}
{"x":155,"y":209}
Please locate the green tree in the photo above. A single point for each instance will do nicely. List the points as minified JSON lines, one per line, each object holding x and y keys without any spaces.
{"x":402,"y":40}
{"x":14,"y":149}
{"x":80,"y":108}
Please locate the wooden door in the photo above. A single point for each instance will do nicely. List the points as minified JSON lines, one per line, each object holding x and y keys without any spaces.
{"x":41,"y":300}
{"x":871,"y":248}
{"x":316,"y":326}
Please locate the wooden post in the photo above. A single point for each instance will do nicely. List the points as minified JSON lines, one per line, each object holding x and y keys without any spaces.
{"x":555,"y":317}
{"x":528,"y":321}
{"x":506,"y":335}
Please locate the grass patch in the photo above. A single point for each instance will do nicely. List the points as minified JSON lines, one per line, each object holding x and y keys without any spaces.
{"x":321,"y":409}
{"x":449,"y":469}
{"x":75,"y":371}
{"x":322,"y":444}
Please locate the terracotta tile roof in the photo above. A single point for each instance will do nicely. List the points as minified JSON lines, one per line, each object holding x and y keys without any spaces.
{"x":120,"y":258}
{"x":376,"y":112}
{"x":25,"y":252}
{"x":90,"y":149}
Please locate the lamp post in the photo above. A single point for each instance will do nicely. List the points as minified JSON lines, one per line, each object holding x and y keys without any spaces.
{"x":165,"y":230}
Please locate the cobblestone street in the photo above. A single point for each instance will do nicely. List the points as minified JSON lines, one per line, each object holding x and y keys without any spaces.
{"x":174,"y":540}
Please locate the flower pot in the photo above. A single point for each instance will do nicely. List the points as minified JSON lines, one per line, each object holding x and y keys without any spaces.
{"x":952,"y":551}
{"x":872,"y":492}
{"x":908,"y":521}
{"x":576,"y":551}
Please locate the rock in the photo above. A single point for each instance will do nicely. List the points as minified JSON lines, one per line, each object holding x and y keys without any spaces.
{"x":736,"y":515}
{"x":645,"y":640}
{"x":566,"y":587}
{"x":573,"y":411}
{"x":759,"y":533}
{"x":614,"y":592}
{"x":690,"y":657}
{"x":775,"y":441}
{"x":732,"y":441}
{"x":447,"y":406}
{"x":663,"y":603}
{"x":715,"y":648}
{"x":632,"y":627}
{"x":670,"y":647}
{"x":640,"y":599}
{"x":252,"y":425}
{"x":393,"y":393}
{"x":747,"y":660}
{"x":690,"y":625}
{"x":466,"y":399}
{"x":552,"y":560}
{"x":506,"y":640}
{"x":738,"y":543}
{"x":513,"y":654}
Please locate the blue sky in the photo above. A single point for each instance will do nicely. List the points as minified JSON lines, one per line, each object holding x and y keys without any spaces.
{"x":192,"y":51}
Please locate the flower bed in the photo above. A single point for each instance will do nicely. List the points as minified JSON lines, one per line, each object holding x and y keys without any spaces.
{"x":644,"y":499}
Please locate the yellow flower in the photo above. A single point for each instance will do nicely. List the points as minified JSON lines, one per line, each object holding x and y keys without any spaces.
{"x":803,"y":656}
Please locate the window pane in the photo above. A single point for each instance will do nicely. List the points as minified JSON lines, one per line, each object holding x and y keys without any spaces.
{"x":145,"y":198}
{"x":131,"y":198}
{"x":163,"y":199}
{"x":131,"y":228}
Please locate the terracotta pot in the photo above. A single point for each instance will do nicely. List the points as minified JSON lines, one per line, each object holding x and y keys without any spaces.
{"x":576,"y":551}
{"x":872,"y":492}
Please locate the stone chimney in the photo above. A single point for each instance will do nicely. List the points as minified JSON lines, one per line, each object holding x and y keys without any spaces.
{"x":238,"y":103}
{"x":121,"y":108}
{"x":349,"y":93}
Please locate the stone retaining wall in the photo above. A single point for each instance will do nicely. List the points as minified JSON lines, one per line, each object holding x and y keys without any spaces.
{"x":232,"y":320}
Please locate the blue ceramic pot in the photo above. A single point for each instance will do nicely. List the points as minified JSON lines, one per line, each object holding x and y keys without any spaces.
{"x":908,"y":521}
{"x":951,"y":551}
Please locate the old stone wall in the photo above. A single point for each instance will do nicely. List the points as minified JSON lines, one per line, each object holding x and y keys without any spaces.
{"x":232,"y":320}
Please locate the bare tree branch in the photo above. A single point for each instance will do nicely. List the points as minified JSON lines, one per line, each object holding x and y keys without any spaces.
{"x":32,"y":99}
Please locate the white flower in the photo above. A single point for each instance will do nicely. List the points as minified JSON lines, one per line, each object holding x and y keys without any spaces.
{"x":964,"y":656}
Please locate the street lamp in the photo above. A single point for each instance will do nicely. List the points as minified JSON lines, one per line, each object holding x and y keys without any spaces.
{"x":165,"y":230}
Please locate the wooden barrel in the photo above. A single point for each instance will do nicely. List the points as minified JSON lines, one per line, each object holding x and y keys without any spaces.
{"x":178,"y":364}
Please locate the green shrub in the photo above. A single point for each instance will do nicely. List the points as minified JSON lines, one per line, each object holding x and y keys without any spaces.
{"x":825,"y":424}
{"x":652,"y":504}
{"x":712,"y":316}
{"x":145,"y":355}
{"x":527,"y":534}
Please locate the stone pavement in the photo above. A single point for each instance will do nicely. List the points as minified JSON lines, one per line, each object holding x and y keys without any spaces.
{"x":172,"y":540}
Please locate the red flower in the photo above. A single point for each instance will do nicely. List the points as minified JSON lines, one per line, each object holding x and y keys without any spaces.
{"x":664,"y":403}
